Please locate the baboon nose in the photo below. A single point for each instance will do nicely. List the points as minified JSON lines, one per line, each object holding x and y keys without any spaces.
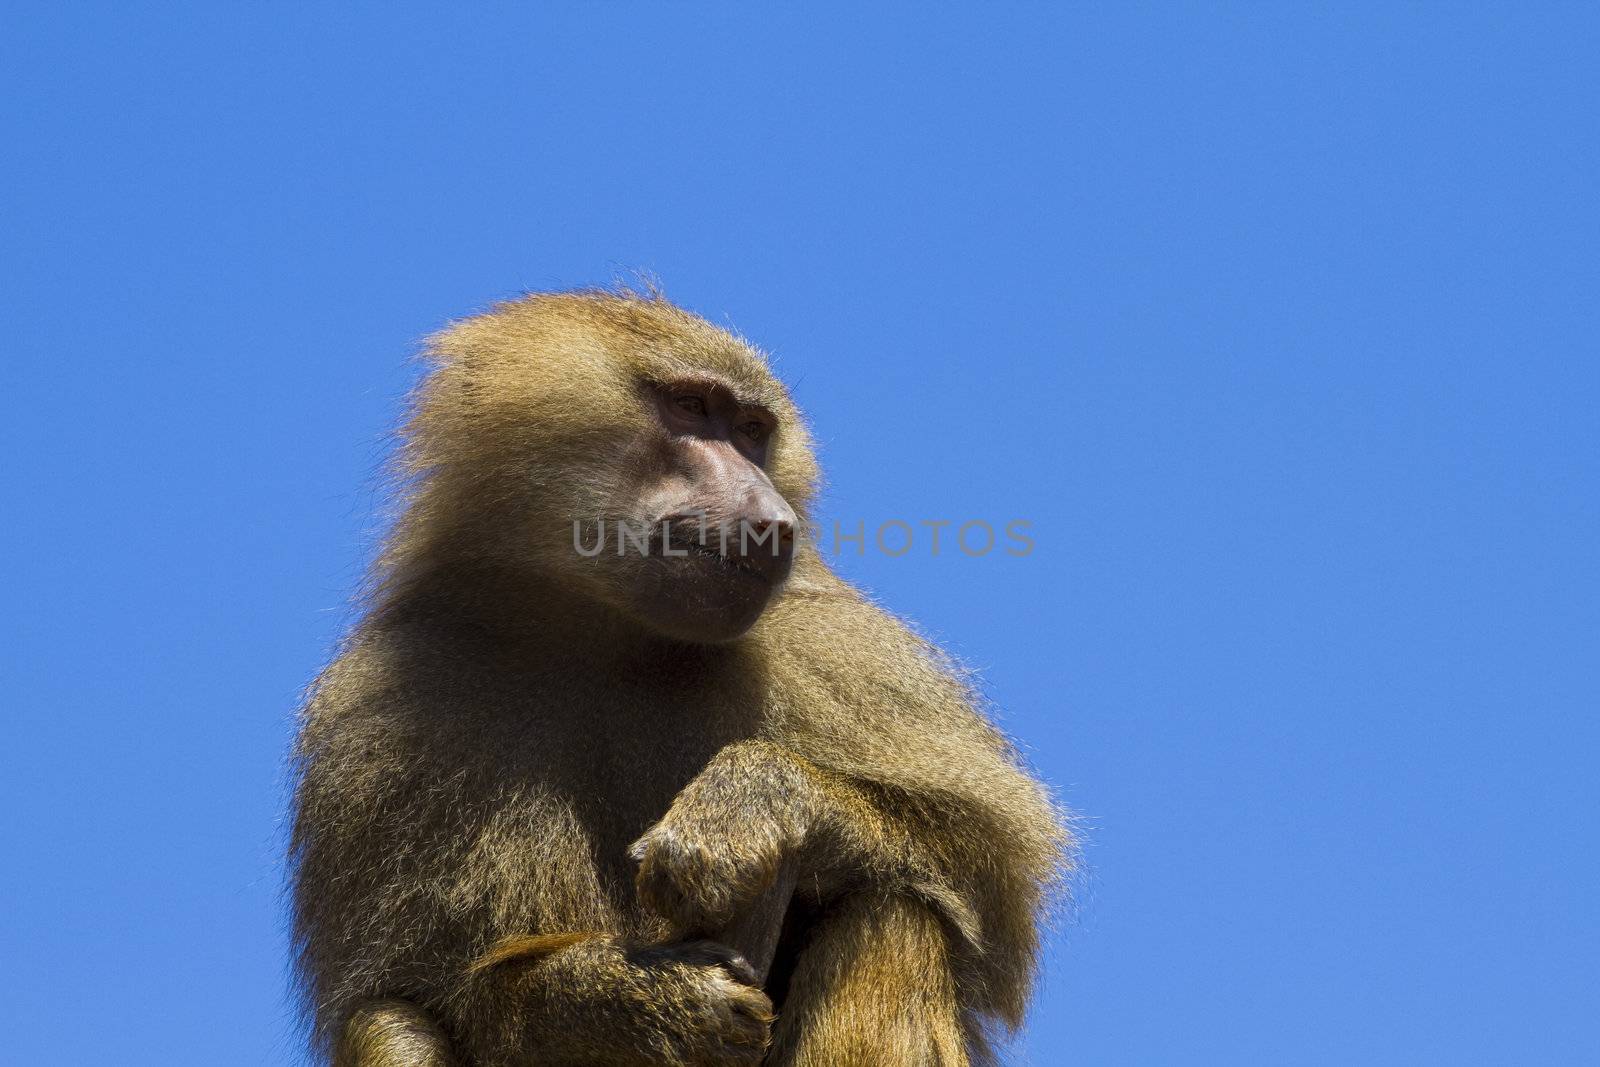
{"x":769,"y":525}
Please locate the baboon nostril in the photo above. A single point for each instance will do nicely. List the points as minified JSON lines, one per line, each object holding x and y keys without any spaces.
{"x":783,"y":528}
{"x":765,"y":535}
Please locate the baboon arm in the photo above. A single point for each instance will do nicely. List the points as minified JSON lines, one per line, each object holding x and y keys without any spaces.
{"x":756,"y":814}
{"x":392,"y":1033}
{"x":874,"y":988}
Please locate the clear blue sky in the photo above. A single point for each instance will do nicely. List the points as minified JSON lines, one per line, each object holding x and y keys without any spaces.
{"x":1278,"y":321}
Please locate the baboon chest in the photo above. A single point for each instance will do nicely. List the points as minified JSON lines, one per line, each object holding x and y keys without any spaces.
{"x":617,"y":759}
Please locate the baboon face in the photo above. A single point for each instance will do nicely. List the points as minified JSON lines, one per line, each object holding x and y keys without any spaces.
{"x":626,"y":452}
{"x":710,"y":540}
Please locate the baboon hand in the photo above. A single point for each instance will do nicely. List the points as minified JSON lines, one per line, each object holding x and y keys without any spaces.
{"x":707,"y":1007}
{"x":720,"y":845}
{"x":698,"y":875}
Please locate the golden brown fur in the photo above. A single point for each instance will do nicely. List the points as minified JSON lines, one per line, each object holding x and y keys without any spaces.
{"x":497,"y":733}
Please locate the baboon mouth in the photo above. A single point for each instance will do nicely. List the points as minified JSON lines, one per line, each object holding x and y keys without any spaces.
{"x":732,"y":564}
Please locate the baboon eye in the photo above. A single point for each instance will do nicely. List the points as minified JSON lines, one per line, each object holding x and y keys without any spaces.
{"x":753,"y":430}
{"x":692,"y":404}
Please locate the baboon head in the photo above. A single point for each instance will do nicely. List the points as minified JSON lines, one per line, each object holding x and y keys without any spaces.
{"x":617,"y":447}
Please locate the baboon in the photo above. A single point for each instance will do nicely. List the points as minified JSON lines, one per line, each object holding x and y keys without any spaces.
{"x":693,"y":800}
